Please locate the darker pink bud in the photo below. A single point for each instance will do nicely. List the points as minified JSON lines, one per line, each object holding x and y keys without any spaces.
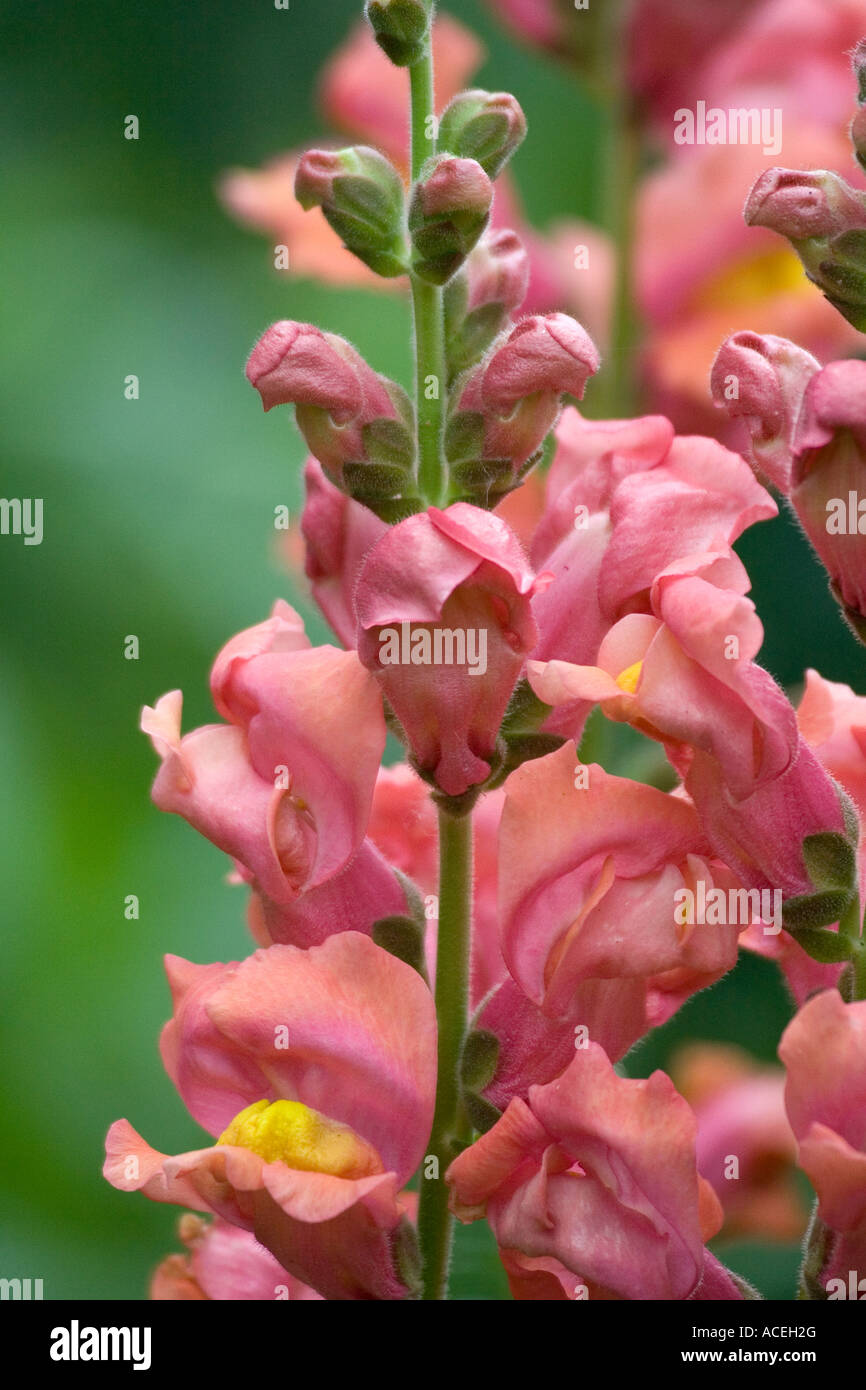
{"x":547,"y":353}
{"x":298,"y":364}
{"x":800,"y":204}
{"x":454,"y":186}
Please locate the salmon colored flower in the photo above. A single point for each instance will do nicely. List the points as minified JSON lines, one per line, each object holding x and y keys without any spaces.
{"x":444,"y":623}
{"x":284,"y":788}
{"x":592,"y":871}
{"x":592,"y":1180}
{"x":317,"y":1127}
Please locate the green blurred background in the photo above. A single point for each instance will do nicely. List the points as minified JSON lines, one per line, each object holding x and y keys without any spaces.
{"x":158,"y":518}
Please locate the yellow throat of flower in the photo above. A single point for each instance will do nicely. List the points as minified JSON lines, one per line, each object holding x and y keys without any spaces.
{"x":627,"y":680}
{"x":288,"y":1132}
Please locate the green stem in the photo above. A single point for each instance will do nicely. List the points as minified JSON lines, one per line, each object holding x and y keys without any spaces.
{"x":616,"y":393}
{"x":430,"y":369}
{"x":435,"y":1223}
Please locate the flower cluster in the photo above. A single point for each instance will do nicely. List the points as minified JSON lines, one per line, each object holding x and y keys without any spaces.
{"x":352,"y":1107}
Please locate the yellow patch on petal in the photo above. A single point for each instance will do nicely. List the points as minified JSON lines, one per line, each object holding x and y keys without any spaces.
{"x":627,"y":680}
{"x":286,"y":1131}
{"x":753,"y":281}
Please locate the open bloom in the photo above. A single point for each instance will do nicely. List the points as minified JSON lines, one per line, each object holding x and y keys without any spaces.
{"x":685,"y":675}
{"x":285,"y":787}
{"x":592,"y":1181}
{"x":315,"y":1071}
{"x":625,"y":498}
{"x":596,"y":875}
{"x":443,"y":606}
{"x":824,"y":1052}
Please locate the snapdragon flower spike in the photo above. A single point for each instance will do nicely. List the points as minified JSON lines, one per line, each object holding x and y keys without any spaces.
{"x":401,"y":28}
{"x":282,"y":787}
{"x":361,"y":195}
{"x":760,"y":379}
{"x":505,"y":407}
{"x":824,"y":1053}
{"x":824,"y":219}
{"x":480,"y":298}
{"x":358,"y":424}
{"x":444,"y":623}
{"x":448,"y":210}
{"x":592,"y":1181}
{"x":485,"y":126}
{"x":317,"y":1129}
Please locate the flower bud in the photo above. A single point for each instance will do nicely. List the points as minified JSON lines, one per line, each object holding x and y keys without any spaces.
{"x":485,"y":126}
{"x":361,"y":195}
{"x":359,"y":425}
{"x":824,"y":218}
{"x":448,"y":212}
{"x":761,"y":379}
{"x":401,"y":28}
{"x":479,"y":299}
{"x":510,"y":401}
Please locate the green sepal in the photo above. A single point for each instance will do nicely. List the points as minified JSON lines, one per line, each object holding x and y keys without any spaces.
{"x":401,"y":937}
{"x":479,"y":1059}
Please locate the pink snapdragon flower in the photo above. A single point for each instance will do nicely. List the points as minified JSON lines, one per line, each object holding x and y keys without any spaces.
{"x":224,"y":1263}
{"x":824,"y":1052}
{"x":591,"y":873}
{"x":685,"y":675}
{"x":316,"y":1071}
{"x":592,"y":1181}
{"x":625,"y":498}
{"x":447,"y":576}
{"x":285,"y":787}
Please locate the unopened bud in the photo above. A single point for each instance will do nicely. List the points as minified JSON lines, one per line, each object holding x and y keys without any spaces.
{"x":361,"y":195}
{"x":359,"y":425}
{"x":485,"y":126}
{"x":448,"y":212}
{"x":508,"y":404}
{"x":824,"y":218}
{"x":401,"y":28}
